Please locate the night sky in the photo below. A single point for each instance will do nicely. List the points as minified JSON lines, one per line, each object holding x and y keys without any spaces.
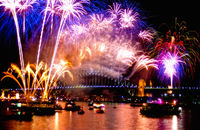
{"x":154,"y":13}
{"x":166,"y":10}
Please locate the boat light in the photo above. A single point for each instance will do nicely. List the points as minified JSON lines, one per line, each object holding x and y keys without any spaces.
{"x":18,"y":104}
{"x":17,"y":95}
{"x":144,"y":104}
{"x":160,"y":101}
{"x":102,"y":105}
{"x":174,"y":102}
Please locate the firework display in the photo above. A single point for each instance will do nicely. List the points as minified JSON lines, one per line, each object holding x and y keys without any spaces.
{"x":76,"y":36}
{"x":36,"y":78}
{"x":175,"y":45}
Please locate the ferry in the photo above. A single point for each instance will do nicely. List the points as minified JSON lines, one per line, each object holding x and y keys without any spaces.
{"x":160,"y":107}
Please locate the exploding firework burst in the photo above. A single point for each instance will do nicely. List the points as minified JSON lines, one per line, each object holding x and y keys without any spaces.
{"x":115,"y":10}
{"x":128,"y":17}
{"x":71,"y":9}
{"x":146,"y":35}
{"x":24,"y":5}
{"x":180,"y":41}
{"x":171,"y":63}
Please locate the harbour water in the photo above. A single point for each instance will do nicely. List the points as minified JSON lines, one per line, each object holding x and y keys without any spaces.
{"x":123,"y":117}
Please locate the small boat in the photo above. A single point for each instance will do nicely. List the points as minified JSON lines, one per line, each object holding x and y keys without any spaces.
{"x":81,"y":111}
{"x":71,"y":106}
{"x":160,"y":108}
{"x":90,"y":105}
{"x":58,"y":107}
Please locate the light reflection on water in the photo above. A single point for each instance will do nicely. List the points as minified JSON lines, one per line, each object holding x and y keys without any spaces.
{"x":124,"y":117}
{"x":56,"y":120}
{"x":174,"y":123}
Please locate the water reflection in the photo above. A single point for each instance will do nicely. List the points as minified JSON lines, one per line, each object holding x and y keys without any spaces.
{"x":56,"y":121}
{"x":123,"y":117}
{"x":174,"y":123}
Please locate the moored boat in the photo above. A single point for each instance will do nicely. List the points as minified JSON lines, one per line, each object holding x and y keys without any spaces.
{"x":90,"y":105}
{"x":81,"y":111}
{"x":71,"y":106}
{"x":160,"y":108}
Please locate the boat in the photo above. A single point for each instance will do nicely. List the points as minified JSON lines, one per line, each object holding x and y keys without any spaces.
{"x":58,"y":107}
{"x":71,"y":106}
{"x":81,"y":111}
{"x":160,"y":108}
{"x":90,"y":105}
